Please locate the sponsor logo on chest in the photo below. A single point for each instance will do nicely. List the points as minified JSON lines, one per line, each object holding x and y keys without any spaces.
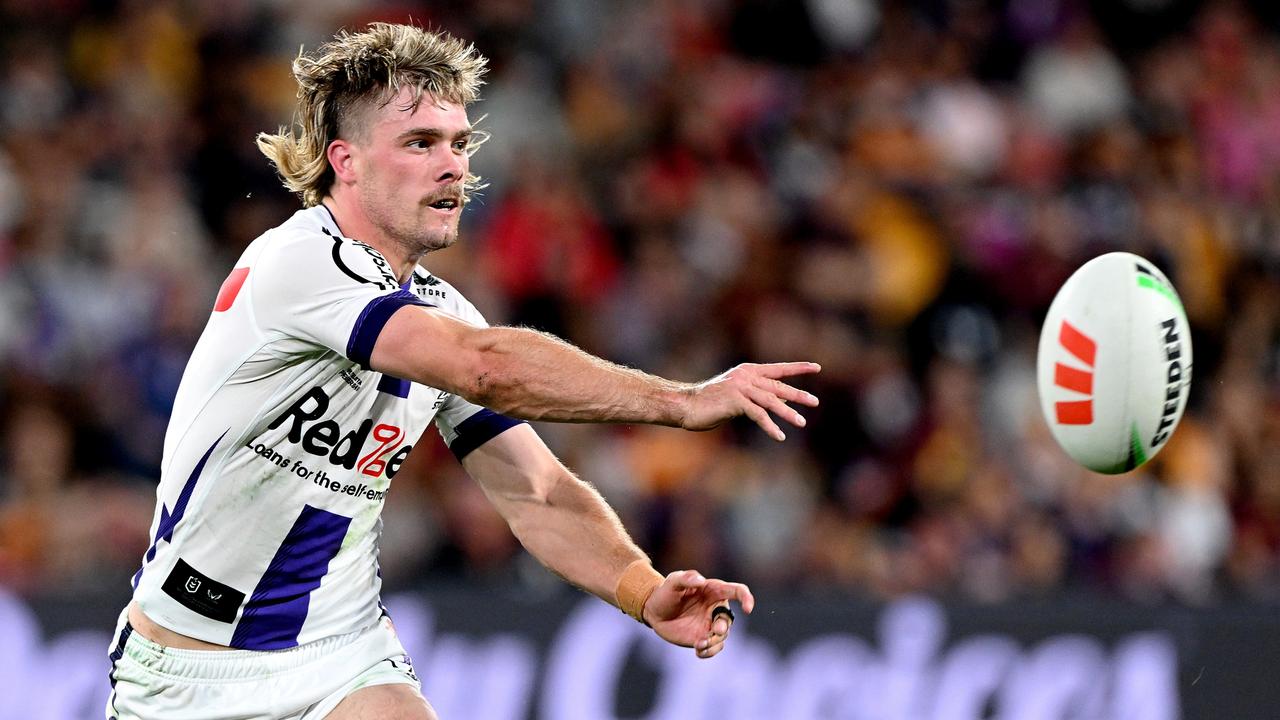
{"x":371,"y":449}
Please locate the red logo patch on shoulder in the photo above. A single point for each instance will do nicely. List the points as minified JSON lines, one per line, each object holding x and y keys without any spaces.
{"x":230,"y":289}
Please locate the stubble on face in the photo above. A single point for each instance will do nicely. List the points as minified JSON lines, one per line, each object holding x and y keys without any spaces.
{"x":388,"y":196}
{"x":417,"y":229}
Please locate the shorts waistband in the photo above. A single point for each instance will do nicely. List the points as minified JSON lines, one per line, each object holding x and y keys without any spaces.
{"x":231,"y":664}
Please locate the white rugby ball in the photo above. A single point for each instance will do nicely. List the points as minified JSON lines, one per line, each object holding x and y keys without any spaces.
{"x":1114,"y":363}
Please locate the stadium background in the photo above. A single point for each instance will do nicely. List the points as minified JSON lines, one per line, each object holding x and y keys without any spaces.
{"x":892,"y":189}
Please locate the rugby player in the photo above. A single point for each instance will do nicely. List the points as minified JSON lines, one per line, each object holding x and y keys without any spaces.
{"x":327,"y":353}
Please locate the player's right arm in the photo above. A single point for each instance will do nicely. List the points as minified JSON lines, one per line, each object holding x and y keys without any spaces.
{"x":565,"y":524}
{"x":535,"y":376}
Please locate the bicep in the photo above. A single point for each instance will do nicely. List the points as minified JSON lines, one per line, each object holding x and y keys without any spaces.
{"x":515,"y":468}
{"x":429,"y":347}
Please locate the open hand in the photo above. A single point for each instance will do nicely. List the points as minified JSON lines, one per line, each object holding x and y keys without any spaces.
{"x":752,"y":390}
{"x":679,"y":610}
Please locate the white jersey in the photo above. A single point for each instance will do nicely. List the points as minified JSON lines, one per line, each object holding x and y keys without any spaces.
{"x":283,"y":443}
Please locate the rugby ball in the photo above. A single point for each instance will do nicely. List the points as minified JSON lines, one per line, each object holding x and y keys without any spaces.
{"x":1114,"y":363}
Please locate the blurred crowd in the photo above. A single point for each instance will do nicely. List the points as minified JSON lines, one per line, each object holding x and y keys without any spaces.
{"x":892,"y":189}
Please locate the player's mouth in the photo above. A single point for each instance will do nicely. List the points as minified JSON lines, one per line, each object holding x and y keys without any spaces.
{"x":446,"y":205}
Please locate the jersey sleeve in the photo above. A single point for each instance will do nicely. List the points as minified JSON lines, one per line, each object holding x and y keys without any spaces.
{"x":327,"y":291}
{"x":464,"y":425}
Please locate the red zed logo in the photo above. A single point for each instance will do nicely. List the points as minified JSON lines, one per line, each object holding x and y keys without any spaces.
{"x":1075,"y":412}
{"x":373,"y":463}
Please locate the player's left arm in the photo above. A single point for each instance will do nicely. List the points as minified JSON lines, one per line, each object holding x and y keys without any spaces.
{"x":568,"y":526}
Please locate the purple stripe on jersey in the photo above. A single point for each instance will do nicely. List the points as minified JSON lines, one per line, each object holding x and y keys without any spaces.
{"x":274,"y":615}
{"x":394,"y":386}
{"x":371,"y":321}
{"x":164,"y":530}
{"x":480,"y":429}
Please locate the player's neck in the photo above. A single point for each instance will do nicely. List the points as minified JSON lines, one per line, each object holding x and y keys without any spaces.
{"x":354,"y":224}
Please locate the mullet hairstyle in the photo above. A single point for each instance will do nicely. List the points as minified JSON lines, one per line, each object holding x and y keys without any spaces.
{"x":354,"y":71}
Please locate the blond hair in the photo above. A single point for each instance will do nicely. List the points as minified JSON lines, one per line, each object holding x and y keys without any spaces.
{"x":355,"y":70}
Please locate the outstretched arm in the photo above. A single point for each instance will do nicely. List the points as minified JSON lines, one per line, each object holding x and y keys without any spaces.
{"x":535,"y":376}
{"x":568,"y":527}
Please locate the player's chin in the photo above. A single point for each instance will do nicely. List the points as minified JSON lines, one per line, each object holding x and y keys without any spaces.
{"x":441,"y":240}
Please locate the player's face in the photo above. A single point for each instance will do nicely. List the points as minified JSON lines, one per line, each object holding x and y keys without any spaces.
{"x":412,"y":168}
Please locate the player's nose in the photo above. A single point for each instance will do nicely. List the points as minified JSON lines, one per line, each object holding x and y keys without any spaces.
{"x":453,"y":167}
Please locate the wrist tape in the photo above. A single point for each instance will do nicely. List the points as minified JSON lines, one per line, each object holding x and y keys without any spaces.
{"x":635,"y":586}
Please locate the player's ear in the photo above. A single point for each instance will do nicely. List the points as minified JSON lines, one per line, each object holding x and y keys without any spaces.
{"x":339,"y":154}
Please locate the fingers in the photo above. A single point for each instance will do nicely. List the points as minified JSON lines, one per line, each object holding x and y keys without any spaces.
{"x":761,"y":418}
{"x":775,"y":405}
{"x":721,"y":622}
{"x":766,"y":392}
{"x":721,"y":619}
{"x":713,"y":590}
{"x":704,"y":597}
{"x":766,"y":377}
{"x":710,"y":647}
{"x":721,"y":590}
{"x":780,"y":370}
{"x":713,"y":643}
{"x":788,"y":393}
{"x":751,"y":390}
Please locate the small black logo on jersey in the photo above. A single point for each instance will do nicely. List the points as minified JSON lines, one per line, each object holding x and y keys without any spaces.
{"x":350,"y":378}
{"x":201,"y":594}
{"x":427,"y":286}
{"x":388,"y":281}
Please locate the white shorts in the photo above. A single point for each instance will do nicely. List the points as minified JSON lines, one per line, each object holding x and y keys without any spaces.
{"x":153,"y":682}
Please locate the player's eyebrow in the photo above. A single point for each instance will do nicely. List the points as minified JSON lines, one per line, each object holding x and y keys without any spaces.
{"x":434,"y":133}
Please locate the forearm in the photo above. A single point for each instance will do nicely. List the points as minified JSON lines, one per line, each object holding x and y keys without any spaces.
{"x":575,"y":534}
{"x":535,"y":376}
